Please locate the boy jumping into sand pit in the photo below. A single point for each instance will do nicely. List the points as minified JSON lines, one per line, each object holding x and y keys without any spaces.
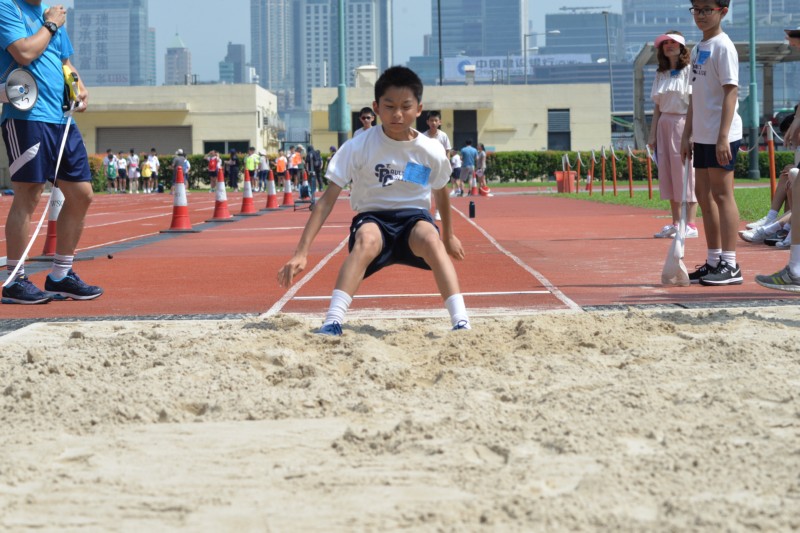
{"x":393,"y":169}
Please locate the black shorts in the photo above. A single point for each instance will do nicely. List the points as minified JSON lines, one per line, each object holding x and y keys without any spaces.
{"x":395,"y":227}
{"x":705,"y":155}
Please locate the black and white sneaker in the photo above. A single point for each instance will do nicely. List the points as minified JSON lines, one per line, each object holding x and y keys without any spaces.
{"x":71,"y":286}
{"x":724,"y":274}
{"x":700,"y":271}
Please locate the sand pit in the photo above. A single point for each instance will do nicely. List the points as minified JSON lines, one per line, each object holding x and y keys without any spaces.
{"x":629,"y":421}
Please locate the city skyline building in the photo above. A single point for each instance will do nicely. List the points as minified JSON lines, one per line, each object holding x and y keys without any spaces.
{"x":177,"y":63}
{"x":479,"y":27}
{"x":368,"y":38}
{"x":271,"y":47}
{"x":233,"y":69}
{"x":112,"y":42}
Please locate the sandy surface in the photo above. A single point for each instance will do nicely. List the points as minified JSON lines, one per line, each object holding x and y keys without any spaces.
{"x":639,"y":421}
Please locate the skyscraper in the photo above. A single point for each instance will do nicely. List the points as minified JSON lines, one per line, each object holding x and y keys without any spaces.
{"x":479,"y":27}
{"x":368,"y":40}
{"x":233,"y":69}
{"x":177,"y":63}
{"x":271,"y":47}
{"x":111,"y":42}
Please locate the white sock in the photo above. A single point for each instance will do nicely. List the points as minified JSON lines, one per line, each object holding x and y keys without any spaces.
{"x":729,"y":257}
{"x":458,"y":311}
{"x":772,"y":227}
{"x":772,"y":215}
{"x":787,"y":226}
{"x":11,"y":265}
{"x":712,"y":258}
{"x":61,"y":266}
{"x":794,"y":260}
{"x":340,"y":302}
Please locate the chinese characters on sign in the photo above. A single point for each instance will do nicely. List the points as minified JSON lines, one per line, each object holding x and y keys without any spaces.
{"x":103,"y":46}
{"x":488,"y":68}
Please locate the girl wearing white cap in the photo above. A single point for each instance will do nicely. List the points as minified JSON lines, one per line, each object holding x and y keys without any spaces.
{"x":671,"y":93}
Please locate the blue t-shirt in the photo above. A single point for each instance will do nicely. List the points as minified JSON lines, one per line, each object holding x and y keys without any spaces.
{"x":46,"y":69}
{"x":468,"y":155}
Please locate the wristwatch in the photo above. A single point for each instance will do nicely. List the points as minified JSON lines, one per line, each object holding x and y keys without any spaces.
{"x":51,"y":27}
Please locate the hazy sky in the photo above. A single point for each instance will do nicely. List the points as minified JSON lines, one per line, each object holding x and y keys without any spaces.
{"x":207,"y":36}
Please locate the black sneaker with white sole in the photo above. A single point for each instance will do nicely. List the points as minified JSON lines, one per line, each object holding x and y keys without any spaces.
{"x":724,"y":274}
{"x":700,"y":271}
{"x":71,"y":286}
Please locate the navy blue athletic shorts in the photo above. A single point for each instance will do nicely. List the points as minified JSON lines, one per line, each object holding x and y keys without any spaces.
{"x":33,"y":147}
{"x":396,"y":229}
{"x":705,"y":155}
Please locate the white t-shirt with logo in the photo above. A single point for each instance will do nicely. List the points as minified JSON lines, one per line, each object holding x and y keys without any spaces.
{"x":387,"y":174}
{"x":714,"y":63}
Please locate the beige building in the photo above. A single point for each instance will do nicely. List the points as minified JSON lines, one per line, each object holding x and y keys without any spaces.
{"x":196,"y":118}
{"x":503,"y":117}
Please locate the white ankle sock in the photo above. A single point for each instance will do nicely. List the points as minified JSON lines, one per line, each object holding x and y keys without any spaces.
{"x":11,"y":265}
{"x":458,"y":311}
{"x":61,"y":265}
{"x":340,"y":302}
{"x":712,"y":258}
{"x":794,"y":259}
{"x":772,"y":215}
{"x":729,"y":257}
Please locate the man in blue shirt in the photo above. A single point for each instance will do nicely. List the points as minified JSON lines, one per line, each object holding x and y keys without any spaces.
{"x":468,"y":155}
{"x":32,"y":37}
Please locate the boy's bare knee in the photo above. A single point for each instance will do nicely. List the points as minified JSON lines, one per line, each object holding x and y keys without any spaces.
{"x":368,"y":242}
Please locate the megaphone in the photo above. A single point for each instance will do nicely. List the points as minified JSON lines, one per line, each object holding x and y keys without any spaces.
{"x":20,"y":90}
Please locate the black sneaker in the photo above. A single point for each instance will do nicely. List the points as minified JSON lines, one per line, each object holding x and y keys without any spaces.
{"x":22,"y":291}
{"x":700,"y":272}
{"x":724,"y":274}
{"x":71,"y":286}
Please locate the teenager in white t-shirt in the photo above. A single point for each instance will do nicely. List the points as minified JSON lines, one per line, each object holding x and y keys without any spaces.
{"x":434,"y":121}
{"x":392,"y":170}
{"x":712,"y":138}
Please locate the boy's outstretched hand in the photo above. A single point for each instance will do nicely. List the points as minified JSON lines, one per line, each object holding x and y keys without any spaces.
{"x":453,"y":247}
{"x":287,"y":273}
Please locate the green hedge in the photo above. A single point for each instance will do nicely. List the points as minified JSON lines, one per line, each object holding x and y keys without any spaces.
{"x":528,"y":166}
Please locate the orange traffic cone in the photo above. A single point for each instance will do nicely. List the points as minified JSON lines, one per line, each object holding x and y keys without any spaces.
{"x":288,"y":197}
{"x":473,"y":191}
{"x":221,"y":212}
{"x":272,"y":195}
{"x":486,"y":191}
{"x":180,"y":207}
{"x":248,"y":207}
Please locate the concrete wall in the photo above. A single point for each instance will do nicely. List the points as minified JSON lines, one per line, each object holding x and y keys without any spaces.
{"x":510,"y":117}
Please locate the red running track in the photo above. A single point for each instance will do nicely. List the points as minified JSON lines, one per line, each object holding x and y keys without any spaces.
{"x":525,"y":254}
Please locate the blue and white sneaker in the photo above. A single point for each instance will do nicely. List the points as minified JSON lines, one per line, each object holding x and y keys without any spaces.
{"x":461,"y":324}
{"x":22,"y":291}
{"x":71,"y":286}
{"x":334,"y":329}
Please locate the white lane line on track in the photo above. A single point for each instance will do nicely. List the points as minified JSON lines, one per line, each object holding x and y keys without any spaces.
{"x":426,"y":295}
{"x":536,"y":274}
{"x":276,"y":308}
{"x":282,"y":228}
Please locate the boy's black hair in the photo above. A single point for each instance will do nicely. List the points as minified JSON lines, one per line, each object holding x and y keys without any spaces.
{"x":367,"y":110}
{"x":720,"y":3}
{"x":433,"y":114}
{"x":468,"y":142}
{"x":398,"y":76}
